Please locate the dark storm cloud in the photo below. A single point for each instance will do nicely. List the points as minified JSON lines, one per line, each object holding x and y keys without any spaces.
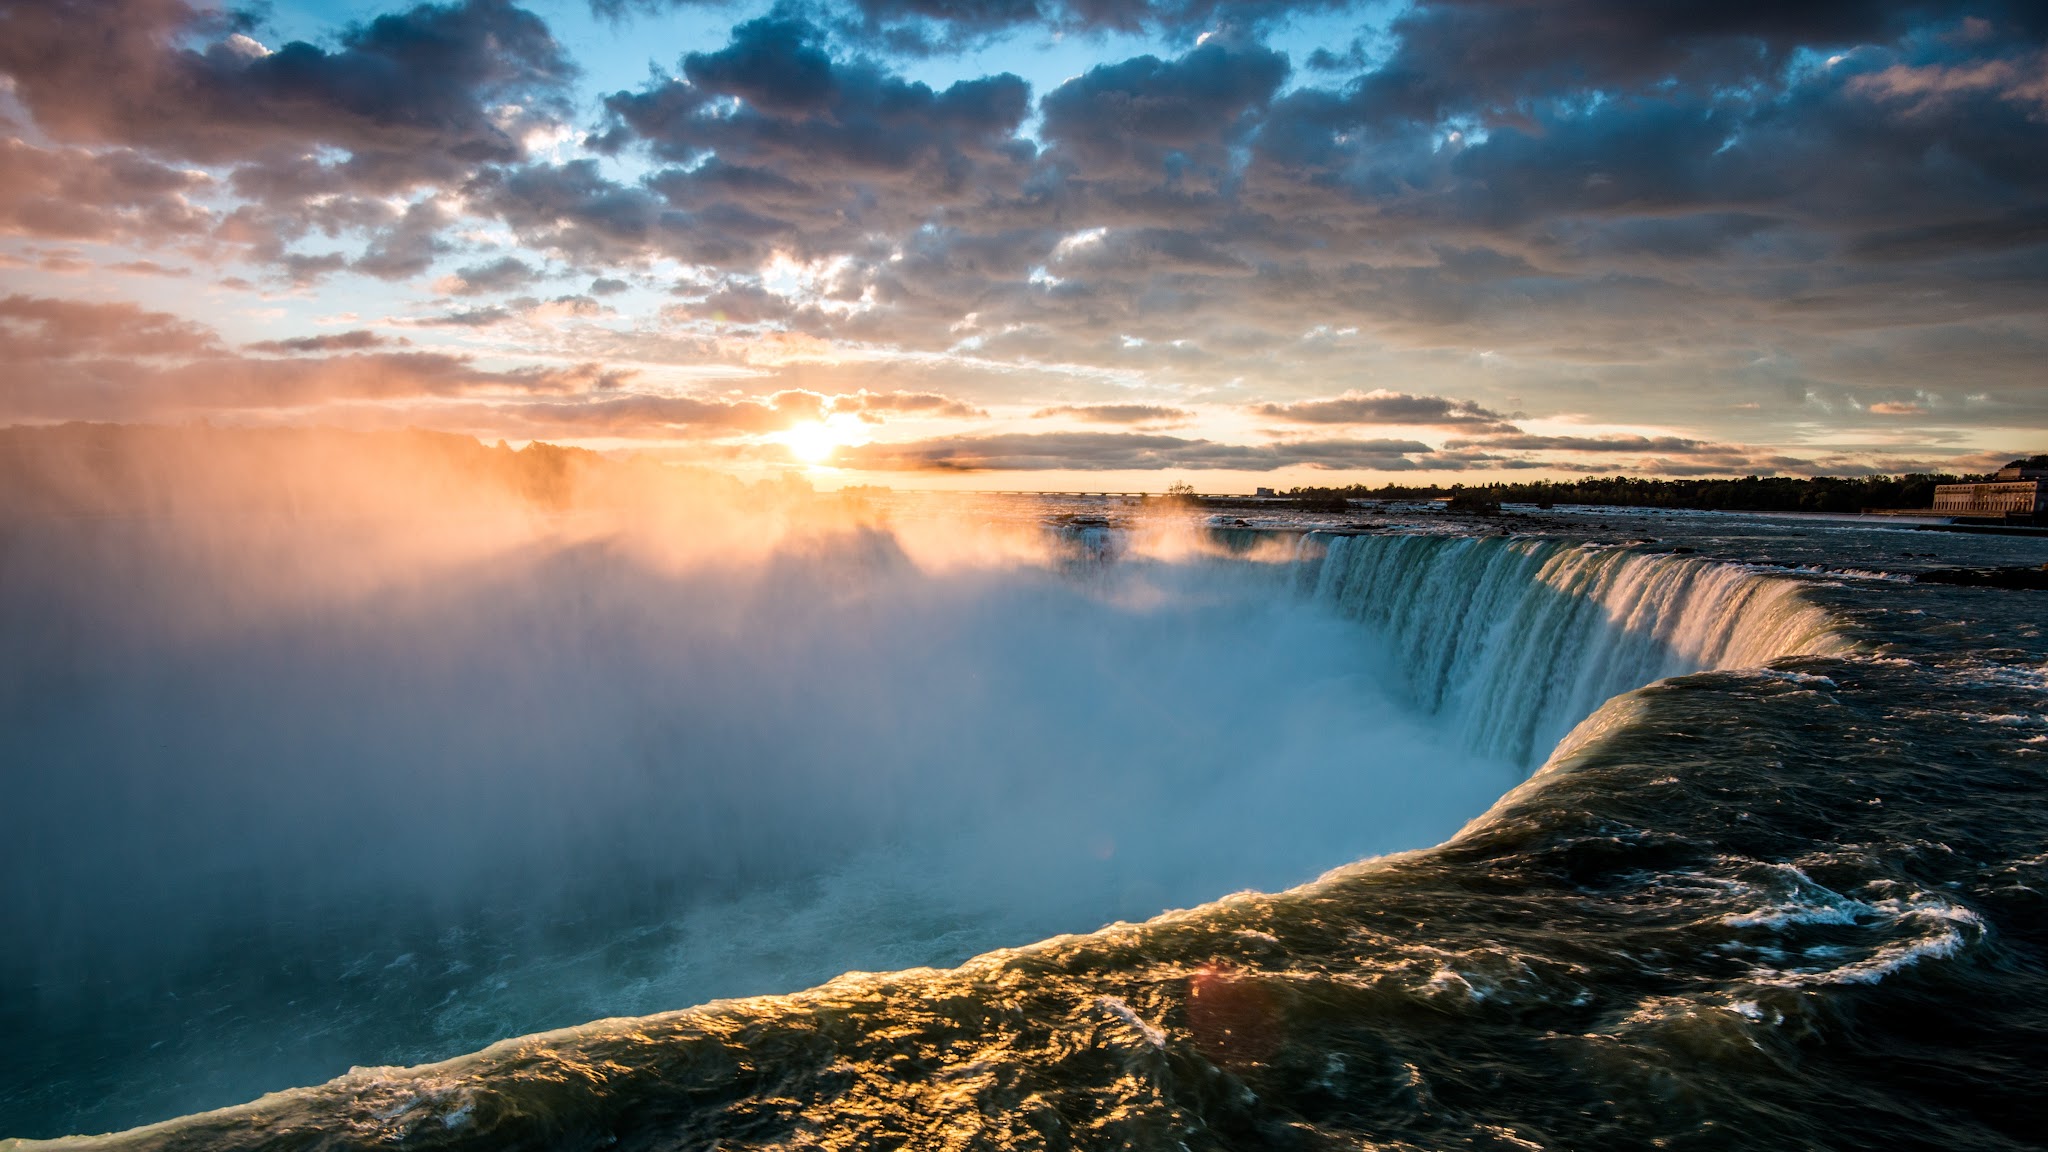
{"x":1111,"y":451}
{"x":408,"y":95}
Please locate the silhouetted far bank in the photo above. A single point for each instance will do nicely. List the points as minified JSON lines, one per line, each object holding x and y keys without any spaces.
{"x":1745,"y":494}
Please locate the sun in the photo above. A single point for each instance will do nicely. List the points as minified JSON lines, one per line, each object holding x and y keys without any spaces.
{"x":811,"y":442}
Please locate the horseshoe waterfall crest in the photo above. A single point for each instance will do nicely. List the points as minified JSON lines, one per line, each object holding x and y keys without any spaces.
{"x":1518,"y":639}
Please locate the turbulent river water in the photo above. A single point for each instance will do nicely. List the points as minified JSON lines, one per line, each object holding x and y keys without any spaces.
{"x":1756,"y":854}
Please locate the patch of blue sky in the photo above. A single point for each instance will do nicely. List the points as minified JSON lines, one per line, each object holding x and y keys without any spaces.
{"x":619,"y":54}
{"x":610,"y":54}
{"x":1336,"y":32}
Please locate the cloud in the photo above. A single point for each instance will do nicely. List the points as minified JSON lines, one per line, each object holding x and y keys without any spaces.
{"x":135,"y":389}
{"x":317,"y":141}
{"x":467,"y":318}
{"x":918,"y":27}
{"x":367,"y":376}
{"x":500,"y":275}
{"x":1107,"y":253}
{"x":73,"y":359}
{"x":2004,"y":232}
{"x":1802,"y":143}
{"x":34,"y":328}
{"x":1159,"y":117}
{"x":355,"y":340}
{"x":115,"y":195}
{"x":99,"y":361}
{"x":521,"y":309}
{"x":149,"y":268}
{"x":699,"y":418}
{"x":930,"y":404}
{"x":2020,"y":80}
{"x":775,"y":139}
{"x":418,"y":94}
{"x":1528,"y":443}
{"x":635,"y":415}
{"x":1651,"y":455}
{"x":1493,"y":56}
{"x":1109,"y":451}
{"x":573,"y":209}
{"x":1115,"y":413}
{"x":1383,"y":407}
{"x":734,"y":301}
{"x":1192,"y":214}
{"x":407,"y":245}
{"x":1695,"y":217}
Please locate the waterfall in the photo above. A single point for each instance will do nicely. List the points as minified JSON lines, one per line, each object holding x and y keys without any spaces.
{"x":1516,"y":640}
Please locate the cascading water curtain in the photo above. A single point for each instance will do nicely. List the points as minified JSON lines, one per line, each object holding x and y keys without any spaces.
{"x":1519,"y":639}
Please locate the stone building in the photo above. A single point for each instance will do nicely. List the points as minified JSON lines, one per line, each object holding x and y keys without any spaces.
{"x":2019,"y":489}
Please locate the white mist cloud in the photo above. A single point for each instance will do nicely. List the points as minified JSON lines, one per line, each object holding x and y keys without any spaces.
{"x":748,"y":738}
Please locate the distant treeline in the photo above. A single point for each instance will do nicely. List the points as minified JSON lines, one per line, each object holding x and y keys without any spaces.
{"x":1748,"y":494}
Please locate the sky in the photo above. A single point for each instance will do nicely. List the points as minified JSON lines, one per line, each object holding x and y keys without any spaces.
{"x":1046,"y":244}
